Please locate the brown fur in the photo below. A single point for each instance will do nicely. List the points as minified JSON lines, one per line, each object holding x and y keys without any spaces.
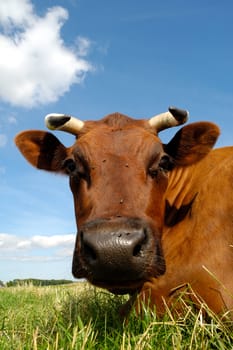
{"x":198,"y":251}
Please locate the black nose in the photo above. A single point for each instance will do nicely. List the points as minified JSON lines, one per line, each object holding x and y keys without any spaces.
{"x":114,"y":252}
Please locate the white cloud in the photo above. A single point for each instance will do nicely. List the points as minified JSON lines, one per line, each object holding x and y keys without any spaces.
{"x":52,"y":241}
{"x":32,"y":258}
{"x":36,"y":67}
{"x":14,"y":247}
{"x":15,"y":12}
{"x":83,"y":46}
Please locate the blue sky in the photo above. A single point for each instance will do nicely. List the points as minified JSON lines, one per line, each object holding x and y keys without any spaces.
{"x":89,"y":58}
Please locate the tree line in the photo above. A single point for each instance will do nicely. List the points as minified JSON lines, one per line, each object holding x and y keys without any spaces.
{"x":34,"y":282}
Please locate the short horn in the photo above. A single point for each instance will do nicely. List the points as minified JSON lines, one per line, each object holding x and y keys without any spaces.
{"x":173,"y":117}
{"x":63,"y":122}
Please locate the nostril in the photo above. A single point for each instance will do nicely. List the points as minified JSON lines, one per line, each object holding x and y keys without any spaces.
{"x":137,"y":250}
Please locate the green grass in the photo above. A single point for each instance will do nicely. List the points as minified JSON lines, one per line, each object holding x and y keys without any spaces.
{"x":81,"y":317}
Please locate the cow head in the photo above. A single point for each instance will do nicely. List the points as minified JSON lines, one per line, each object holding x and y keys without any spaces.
{"x":118,"y":170}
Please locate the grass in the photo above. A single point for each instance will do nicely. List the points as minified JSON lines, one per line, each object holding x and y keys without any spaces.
{"x":81,"y":317}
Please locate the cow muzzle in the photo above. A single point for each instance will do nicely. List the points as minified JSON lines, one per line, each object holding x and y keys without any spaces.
{"x":119,"y":254}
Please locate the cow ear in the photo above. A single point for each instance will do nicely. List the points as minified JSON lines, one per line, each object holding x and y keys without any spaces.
{"x":42,"y":149}
{"x":192,"y":143}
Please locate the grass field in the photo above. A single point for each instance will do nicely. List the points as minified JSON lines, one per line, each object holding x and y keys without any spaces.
{"x":80,"y":317}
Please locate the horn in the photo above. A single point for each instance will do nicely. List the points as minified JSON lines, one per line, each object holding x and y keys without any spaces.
{"x":173,"y":117}
{"x":63,"y":122}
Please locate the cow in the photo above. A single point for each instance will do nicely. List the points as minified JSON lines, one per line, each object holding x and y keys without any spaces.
{"x":152,"y":218}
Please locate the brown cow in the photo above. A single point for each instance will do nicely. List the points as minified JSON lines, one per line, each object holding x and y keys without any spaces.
{"x":151,"y":217}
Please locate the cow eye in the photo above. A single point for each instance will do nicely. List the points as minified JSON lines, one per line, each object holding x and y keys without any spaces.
{"x":153,"y":171}
{"x":158,"y":168}
{"x":166,"y":163}
{"x":76,"y":169}
{"x":70,"y":166}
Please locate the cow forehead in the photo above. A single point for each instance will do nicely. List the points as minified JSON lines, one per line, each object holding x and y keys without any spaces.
{"x":128,"y":141}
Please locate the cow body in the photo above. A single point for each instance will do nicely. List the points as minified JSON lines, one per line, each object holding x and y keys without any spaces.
{"x":151,"y":218}
{"x":198,"y":250}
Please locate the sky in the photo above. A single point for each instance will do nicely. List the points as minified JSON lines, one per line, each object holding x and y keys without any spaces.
{"x":90,"y":58}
